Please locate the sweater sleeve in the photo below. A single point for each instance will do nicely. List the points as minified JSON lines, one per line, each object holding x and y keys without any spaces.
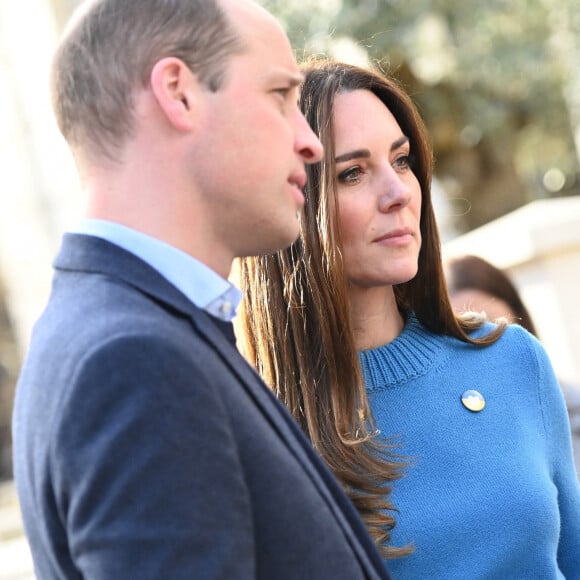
{"x":559,"y":447}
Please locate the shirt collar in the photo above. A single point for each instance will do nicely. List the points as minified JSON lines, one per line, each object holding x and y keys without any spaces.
{"x":204,"y":287}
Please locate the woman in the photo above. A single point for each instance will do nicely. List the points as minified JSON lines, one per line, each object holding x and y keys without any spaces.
{"x":352,"y":328}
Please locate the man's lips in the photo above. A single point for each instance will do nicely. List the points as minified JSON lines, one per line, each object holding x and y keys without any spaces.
{"x":299,"y":180}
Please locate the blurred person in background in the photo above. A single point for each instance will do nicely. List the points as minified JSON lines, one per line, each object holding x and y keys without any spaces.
{"x":352,"y":328}
{"x":475,"y":284}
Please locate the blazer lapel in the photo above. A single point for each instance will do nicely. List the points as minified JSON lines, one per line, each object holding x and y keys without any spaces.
{"x":287,"y":428}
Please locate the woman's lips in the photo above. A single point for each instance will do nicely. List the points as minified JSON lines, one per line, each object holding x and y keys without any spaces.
{"x":394,"y":237}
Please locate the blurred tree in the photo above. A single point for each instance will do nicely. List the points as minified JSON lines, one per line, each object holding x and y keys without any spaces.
{"x":495,"y":82}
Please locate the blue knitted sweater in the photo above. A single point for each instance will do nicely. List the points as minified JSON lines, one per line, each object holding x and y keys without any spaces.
{"x":490,"y":494}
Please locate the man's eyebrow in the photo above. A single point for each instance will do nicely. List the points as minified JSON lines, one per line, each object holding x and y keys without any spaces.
{"x":296,"y":79}
{"x":284,"y":76}
{"x":365,"y":153}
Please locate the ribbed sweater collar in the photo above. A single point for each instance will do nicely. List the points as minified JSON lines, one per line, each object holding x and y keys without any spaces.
{"x":410,"y":355}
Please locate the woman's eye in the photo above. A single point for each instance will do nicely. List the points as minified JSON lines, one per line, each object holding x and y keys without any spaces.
{"x":403,"y":162}
{"x":350,"y":175}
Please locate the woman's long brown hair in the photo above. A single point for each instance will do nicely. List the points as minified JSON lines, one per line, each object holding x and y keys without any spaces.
{"x":295,"y":325}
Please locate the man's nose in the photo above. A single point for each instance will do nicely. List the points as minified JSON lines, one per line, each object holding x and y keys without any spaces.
{"x":307,"y":143}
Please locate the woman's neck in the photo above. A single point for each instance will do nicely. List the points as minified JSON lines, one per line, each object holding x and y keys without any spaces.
{"x":375,"y":317}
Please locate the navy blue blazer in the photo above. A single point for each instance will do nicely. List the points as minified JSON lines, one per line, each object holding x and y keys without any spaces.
{"x":146,"y":447}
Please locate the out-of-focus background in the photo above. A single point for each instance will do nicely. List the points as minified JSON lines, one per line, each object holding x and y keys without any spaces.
{"x":497,"y":82}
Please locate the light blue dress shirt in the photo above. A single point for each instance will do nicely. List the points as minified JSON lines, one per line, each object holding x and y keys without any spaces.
{"x":204,"y":287}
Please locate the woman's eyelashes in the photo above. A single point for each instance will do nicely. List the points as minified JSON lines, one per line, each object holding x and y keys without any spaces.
{"x":350,"y":175}
{"x":402,"y":163}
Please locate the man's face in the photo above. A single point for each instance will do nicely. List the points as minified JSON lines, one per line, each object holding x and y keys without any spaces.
{"x":255,"y":141}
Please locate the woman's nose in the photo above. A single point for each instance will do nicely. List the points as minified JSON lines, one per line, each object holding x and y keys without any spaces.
{"x":395,"y":193}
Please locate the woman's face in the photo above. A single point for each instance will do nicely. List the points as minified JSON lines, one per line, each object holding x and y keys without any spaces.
{"x":379,"y":196}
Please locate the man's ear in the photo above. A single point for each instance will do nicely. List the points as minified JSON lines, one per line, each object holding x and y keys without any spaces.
{"x":177,"y":92}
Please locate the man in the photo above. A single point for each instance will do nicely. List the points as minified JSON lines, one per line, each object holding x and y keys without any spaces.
{"x":145,"y":446}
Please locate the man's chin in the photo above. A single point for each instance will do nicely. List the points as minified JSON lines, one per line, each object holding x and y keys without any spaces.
{"x":281,"y":243}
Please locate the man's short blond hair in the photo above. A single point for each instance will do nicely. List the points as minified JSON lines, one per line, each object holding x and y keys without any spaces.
{"x":110,"y":50}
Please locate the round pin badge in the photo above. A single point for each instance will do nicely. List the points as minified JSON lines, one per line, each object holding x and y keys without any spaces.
{"x":473,"y":400}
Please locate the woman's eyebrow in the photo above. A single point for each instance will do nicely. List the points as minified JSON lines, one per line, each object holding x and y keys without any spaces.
{"x":364,"y":153}
{"x":357,"y":154}
{"x":399,"y":142}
